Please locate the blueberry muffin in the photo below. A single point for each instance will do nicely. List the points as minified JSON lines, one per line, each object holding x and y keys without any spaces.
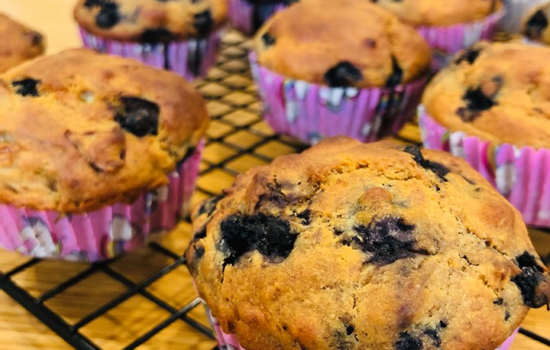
{"x":19,"y":43}
{"x":178,"y":35}
{"x":150,"y":20}
{"x":93,"y":137}
{"x":440,"y":13}
{"x":495,"y":91}
{"x":341,"y":43}
{"x":535,"y":25}
{"x":365,"y":246}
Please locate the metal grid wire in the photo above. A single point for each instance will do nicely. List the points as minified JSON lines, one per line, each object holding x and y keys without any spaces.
{"x":237,"y":140}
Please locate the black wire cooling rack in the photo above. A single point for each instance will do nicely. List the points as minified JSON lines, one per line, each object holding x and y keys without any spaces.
{"x":237,"y":140}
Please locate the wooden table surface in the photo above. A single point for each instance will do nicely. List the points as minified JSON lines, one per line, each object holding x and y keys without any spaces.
{"x":20,"y":330}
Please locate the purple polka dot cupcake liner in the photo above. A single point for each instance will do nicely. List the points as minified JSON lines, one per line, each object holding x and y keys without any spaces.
{"x":230,"y":342}
{"x":446,"y":41}
{"x":519,"y":173}
{"x":516,"y":10}
{"x":104,"y":233}
{"x":247,"y":17}
{"x":311,"y":112}
{"x":190,"y":59}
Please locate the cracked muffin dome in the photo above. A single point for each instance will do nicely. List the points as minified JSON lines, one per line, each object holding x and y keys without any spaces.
{"x":499,"y":92}
{"x":19,"y":43}
{"x":81,"y":130}
{"x":150,"y":21}
{"x":535,"y":25}
{"x":342,"y":43}
{"x":440,"y":13}
{"x":365,"y":246}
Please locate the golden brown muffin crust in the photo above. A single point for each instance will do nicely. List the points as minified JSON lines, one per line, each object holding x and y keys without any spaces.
{"x":440,"y":12}
{"x":150,"y":21}
{"x":365,"y":246}
{"x":18,"y":43}
{"x":342,"y":43}
{"x":80,"y":130}
{"x":499,"y":92}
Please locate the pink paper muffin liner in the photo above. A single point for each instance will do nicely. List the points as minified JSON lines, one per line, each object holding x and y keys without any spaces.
{"x":519,"y":173}
{"x":311,"y":112}
{"x":190,"y":59}
{"x":230,"y":342}
{"x":445,"y":41}
{"x":104,"y":233}
{"x":247,"y":17}
{"x":516,"y":10}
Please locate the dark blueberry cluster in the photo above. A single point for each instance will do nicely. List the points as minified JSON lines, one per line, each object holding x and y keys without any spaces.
{"x":408,"y":342}
{"x":536,"y":25}
{"x":386,"y":240}
{"x":397,"y":74}
{"x":138,"y":116}
{"x":269,"y":235}
{"x":529,"y":279}
{"x":26,"y":87}
{"x":470,"y":55}
{"x":156,"y":35}
{"x":476,"y":102}
{"x":203,"y":23}
{"x":439,"y":169}
{"x":343,"y":74}
{"x":108,"y":15}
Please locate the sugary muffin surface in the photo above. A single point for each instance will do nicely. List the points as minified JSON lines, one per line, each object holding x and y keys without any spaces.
{"x":19,"y":43}
{"x":150,"y":21}
{"x":440,"y":13}
{"x":354,"y":246}
{"x":536,"y":24}
{"x":499,"y":92}
{"x":80,"y":130}
{"x":342,"y":43}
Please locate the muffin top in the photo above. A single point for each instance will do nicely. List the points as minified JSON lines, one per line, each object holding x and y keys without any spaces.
{"x":19,"y":43}
{"x":82,"y":130}
{"x":535,"y":25}
{"x":150,"y":21}
{"x":365,"y":246}
{"x":440,"y":13}
{"x":499,"y":92}
{"x":342,"y":43}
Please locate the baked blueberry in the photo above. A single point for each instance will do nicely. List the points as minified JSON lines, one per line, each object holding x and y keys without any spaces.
{"x":439,"y":169}
{"x":408,"y":342}
{"x":343,"y":74}
{"x":203,"y":23}
{"x":138,"y":116}
{"x":26,"y":87}
{"x":269,"y":235}
{"x":156,"y":35}
{"x":397,"y":74}
{"x":470,"y":55}
{"x":476,"y":102}
{"x":536,"y":24}
{"x":108,"y":16}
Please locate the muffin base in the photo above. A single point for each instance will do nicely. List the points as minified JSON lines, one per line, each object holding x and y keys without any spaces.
{"x":247,"y":17}
{"x":190,"y":59}
{"x":445,"y":41}
{"x":519,"y":173}
{"x":229,"y":341}
{"x":104,"y":233}
{"x":311,"y":112}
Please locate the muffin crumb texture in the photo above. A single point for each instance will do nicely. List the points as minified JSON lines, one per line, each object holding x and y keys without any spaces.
{"x":440,"y":13}
{"x":150,"y":21}
{"x":498,"y":92}
{"x":19,"y":43}
{"x":342,"y":43}
{"x":80,"y":130}
{"x":355,"y":246}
